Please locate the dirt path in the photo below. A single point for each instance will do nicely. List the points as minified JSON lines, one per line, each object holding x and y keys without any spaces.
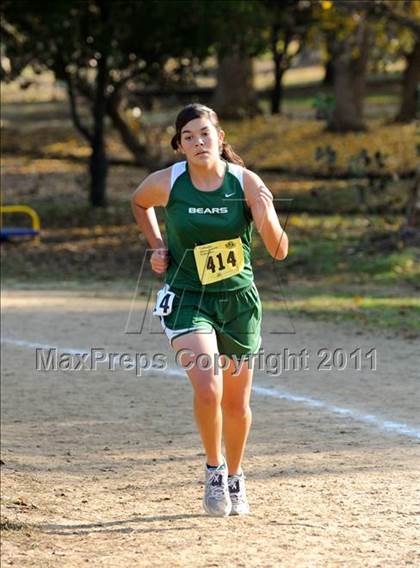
{"x":106,"y":467}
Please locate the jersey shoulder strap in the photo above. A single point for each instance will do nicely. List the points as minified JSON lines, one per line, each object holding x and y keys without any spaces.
{"x":177,"y":169}
{"x":237,"y":171}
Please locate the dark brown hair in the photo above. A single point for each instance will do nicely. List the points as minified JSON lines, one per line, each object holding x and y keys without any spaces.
{"x":196,"y":110}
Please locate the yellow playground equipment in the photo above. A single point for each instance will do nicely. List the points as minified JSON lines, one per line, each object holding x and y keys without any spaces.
{"x":34,"y":231}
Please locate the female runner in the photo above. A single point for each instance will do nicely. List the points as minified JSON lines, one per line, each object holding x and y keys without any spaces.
{"x":209,"y":307}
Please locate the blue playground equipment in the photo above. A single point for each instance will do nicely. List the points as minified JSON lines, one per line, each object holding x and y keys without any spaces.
{"x":7,"y":232}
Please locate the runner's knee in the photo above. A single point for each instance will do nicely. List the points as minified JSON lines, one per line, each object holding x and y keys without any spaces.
{"x":208,"y":393}
{"x":236,"y":408}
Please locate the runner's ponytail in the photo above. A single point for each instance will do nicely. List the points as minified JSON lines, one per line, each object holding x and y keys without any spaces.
{"x":230,"y":156}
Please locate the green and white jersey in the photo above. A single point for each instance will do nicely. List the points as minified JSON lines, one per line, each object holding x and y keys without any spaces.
{"x":196,"y":217}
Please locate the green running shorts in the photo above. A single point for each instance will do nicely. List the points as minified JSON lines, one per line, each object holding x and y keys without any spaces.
{"x":235,"y":316}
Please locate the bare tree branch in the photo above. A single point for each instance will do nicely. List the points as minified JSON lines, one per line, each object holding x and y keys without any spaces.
{"x":73,"y":109}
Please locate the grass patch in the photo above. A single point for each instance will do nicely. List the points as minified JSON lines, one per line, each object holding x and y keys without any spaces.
{"x":276,"y":141}
{"x":341,"y":250}
{"x":395,"y":314}
{"x":306,"y":102}
{"x":329,"y":197}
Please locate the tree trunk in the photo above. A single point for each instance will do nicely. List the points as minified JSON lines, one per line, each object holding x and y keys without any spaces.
{"x":350,"y":82}
{"x":277,"y":94}
{"x":235,"y":95}
{"x":410,"y":102}
{"x":98,"y":164}
{"x":98,"y":167}
{"x":329,"y":76}
{"x":278,"y":57}
{"x":413,"y":205}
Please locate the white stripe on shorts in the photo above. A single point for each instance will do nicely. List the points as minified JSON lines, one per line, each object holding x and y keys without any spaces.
{"x":173,"y":333}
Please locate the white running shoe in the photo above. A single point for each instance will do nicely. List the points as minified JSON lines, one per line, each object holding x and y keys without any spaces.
{"x":216,"y":500}
{"x":236,"y":484}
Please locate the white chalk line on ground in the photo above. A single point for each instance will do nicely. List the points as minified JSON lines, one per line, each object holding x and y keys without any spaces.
{"x":371,"y":419}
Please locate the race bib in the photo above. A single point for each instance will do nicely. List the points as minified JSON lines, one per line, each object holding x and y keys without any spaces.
{"x":164,"y":302}
{"x":219,"y":260}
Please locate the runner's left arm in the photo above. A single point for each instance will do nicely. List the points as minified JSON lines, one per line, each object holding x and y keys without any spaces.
{"x":260,"y":200}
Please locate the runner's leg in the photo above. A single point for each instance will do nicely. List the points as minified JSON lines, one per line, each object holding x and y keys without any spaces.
{"x":237,"y":416}
{"x":208,"y":388}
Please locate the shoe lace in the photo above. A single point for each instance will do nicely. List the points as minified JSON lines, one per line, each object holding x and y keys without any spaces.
{"x":235,"y":489}
{"x":216,"y":488}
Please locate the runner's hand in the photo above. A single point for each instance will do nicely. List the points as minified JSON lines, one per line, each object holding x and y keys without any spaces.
{"x":160,"y":260}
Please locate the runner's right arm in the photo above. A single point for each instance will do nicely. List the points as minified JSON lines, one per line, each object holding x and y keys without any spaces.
{"x":152,"y":192}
